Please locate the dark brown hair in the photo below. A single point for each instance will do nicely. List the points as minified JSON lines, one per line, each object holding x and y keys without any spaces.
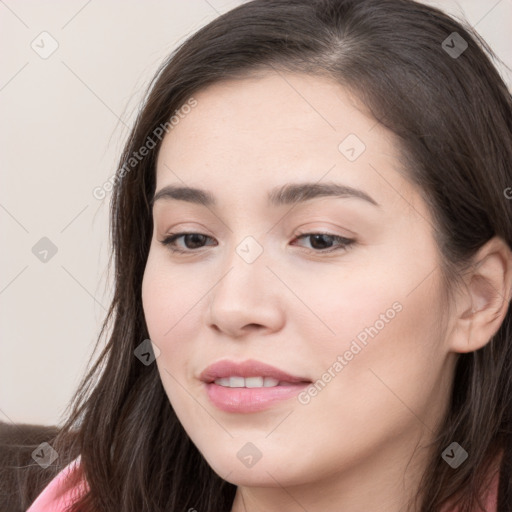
{"x":452,"y":116}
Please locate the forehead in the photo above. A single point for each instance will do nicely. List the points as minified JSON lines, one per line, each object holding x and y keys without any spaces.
{"x":276,"y":128}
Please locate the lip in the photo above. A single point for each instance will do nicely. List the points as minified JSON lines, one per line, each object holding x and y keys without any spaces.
{"x":246,"y":400}
{"x":249,"y":368}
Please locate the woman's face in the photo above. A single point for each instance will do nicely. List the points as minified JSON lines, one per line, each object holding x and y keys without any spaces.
{"x":360,"y":321}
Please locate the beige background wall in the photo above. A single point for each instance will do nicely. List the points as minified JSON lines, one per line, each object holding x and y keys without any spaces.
{"x":64,"y":118}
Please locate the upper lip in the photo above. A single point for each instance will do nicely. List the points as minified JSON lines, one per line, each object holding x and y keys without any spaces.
{"x":249,"y":368}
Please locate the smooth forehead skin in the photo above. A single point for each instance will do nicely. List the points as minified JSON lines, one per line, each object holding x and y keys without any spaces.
{"x":261,"y":132}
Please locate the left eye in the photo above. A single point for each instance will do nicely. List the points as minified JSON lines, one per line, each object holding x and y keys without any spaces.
{"x":195,"y":239}
{"x":318,"y":241}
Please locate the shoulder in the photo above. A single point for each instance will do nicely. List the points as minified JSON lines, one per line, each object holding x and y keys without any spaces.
{"x":489,"y":496}
{"x":21,"y":479}
{"x":63,"y":490}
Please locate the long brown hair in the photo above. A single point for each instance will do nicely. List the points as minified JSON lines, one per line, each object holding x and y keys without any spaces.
{"x":453,"y":117}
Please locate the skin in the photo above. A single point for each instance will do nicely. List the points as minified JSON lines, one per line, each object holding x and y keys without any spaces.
{"x":360,"y":443}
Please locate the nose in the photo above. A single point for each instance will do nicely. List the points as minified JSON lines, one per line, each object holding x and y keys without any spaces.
{"x":247,"y":298}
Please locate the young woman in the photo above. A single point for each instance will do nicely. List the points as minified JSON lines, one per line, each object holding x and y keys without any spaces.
{"x":312,"y":231}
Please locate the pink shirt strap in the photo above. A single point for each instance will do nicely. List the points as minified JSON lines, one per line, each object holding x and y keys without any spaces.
{"x":490,"y":496}
{"x":60,"y":493}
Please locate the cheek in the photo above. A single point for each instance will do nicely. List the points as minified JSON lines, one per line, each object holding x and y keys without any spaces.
{"x":168,"y":298}
{"x":168,"y":310}
{"x":365,"y":298}
{"x":391,"y":349}
{"x":172,"y":303}
{"x":383,"y":320}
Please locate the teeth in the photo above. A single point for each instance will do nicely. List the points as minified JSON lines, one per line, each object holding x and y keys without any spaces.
{"x":249,"y":382}
{"x":236,"y":382}
{"x":254,"y":382}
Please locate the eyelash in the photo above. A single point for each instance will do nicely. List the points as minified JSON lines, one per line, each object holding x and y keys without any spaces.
{"x":345,"y":243}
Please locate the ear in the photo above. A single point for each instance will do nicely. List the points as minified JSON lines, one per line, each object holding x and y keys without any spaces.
{"x":483,"y":304}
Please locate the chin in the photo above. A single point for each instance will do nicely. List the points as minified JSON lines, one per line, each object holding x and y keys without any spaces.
{"x":271,"y":470}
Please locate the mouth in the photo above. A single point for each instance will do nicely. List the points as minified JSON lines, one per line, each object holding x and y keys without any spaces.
{"x":250,"y":386}
{"x":251,"y":382}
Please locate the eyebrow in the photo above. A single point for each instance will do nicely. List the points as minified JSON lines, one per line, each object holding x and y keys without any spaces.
{"x":291,"y":193}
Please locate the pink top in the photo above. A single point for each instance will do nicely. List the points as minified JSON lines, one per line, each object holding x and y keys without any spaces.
{"x":490,"y":498}
{"x":57,"y":495}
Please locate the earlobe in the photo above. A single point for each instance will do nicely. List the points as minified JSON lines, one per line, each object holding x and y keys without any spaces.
{"x":486,"y":298}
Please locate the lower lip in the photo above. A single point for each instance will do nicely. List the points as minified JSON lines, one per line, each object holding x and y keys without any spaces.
{"x":250,"y":399}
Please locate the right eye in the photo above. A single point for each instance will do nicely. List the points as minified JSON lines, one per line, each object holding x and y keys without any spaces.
{"x":193,"y":239}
